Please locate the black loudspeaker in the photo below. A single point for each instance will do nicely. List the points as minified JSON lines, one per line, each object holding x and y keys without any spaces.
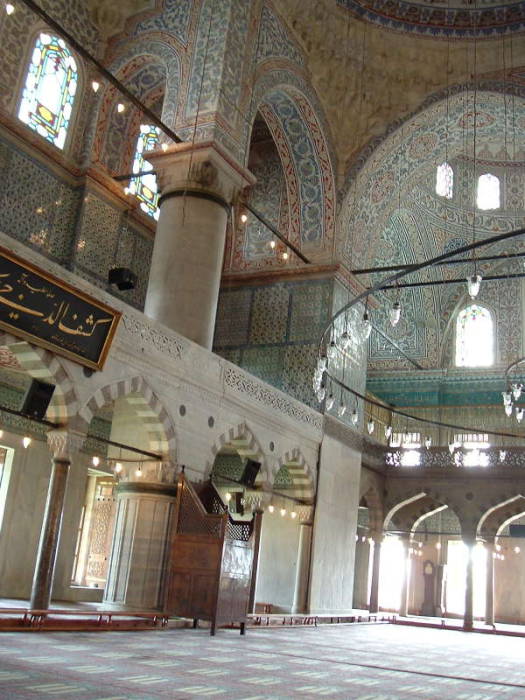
{"x":37,"y":399}
{"x":122,"y":277}
{"x":251,"y":469}
{"x":239,"y":508}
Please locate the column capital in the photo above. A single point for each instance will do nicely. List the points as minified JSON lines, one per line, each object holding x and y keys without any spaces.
{"x":199,"y":169}
{"x":63,"y":443}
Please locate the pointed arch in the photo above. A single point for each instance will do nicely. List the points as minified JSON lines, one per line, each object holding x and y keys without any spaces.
{"x":375,"y":510}
{"x":300,"y":475}
{"x":46,"y":366}
{"x":243,"y":440}
{"x":158,"y":422}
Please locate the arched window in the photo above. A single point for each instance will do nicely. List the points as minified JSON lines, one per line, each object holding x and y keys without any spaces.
{"x":445,"y":181}
{"x":145,"y":187}
{"x":488,"y":194}
{"x":474,"y":337}
{"x":50,"y":88}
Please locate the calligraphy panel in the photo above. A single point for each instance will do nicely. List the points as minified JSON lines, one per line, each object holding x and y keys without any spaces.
{"x":46,"y":311}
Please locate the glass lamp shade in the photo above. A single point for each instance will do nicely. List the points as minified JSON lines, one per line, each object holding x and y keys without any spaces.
{"x":508,"y":409}
{"x":355,"y":416}
{"x":321,"y":393}
{"x":473,"y":285}
{"x":395,"y":313}
{"x":388,"y":431}
{"x":519,"y":414}
{"x":321,"y":363}
{"x":330,"y":402}
{"x":366,"y":327}
{"x":370,"y":426}
{"x":341,"y":410}
{"x":451,"y":446}
{"x":344,"y":340}
{"x":507,"y":398}
{"x":332,"y":350}
{"x":428,"y":442}
{"x":516,"y":391}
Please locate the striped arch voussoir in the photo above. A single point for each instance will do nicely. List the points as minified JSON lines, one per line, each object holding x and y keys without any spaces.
{"x":159,"y":425}
{"x":302,"y":475}
{"x":46,"y":366}
{"x":241,"y":437}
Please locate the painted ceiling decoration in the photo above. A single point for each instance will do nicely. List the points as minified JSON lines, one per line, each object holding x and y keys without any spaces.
{"x":454,"y":18}
{"x":385,"y":226}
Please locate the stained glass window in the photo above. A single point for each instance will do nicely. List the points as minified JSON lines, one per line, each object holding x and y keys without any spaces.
{"x":444,"y":181}
{"x":145,"y":187}
{"x":50,"y":88}
{"x":474,"y":337}
{"x":488,"y":195}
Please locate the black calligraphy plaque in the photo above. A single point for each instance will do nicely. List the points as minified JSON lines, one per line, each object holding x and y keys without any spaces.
{"x":46,"y":311}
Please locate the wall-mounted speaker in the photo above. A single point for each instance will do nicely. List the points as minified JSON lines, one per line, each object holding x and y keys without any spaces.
{"x":123,"y":277}
{"x":37,"y":399}
{"x":251,"y":469}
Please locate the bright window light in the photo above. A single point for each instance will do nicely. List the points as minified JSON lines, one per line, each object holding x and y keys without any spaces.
{"x":444,"y":181}
{"x":391,"y":570}
{"x":474,"y":337}
{"x":456,"y":578}
{"x":488,"y":194}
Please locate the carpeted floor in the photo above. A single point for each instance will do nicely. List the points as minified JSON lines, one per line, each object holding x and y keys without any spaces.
{"x":370,"y":662}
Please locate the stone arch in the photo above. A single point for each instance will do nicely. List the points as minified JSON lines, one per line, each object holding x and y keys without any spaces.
{"x":496,"y":518}
{"x":299,"y":471}
{"x":242,"y":438}
{"x":393,"y":509}
{"x":40,"y":363}
{"x":429,"y":512}
{"x":295,"y":119}
{"x":510,"y":520}
{"x":375,"y":510}
{"x":152,"y":71}
{"x":158,"y":422}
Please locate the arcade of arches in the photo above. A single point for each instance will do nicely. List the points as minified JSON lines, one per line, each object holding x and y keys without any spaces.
{"x":367,"y":140}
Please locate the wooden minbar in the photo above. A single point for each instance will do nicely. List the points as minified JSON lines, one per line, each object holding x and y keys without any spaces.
{"x":211,"y":560}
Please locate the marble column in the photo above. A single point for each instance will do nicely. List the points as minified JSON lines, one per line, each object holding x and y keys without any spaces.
{"x":302,"y":571}
{"x":258,"y":516}
{"x":139,"y":552}
{"x":374,"y":588}
{"x":198,"y":183}
{"x":405,"y":564}
{"x":489,"y":600}
{"x":62,"y":445}
{"x":468,"y":620}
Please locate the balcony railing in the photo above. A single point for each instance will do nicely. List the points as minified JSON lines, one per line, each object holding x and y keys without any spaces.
{"x":460,"y":458}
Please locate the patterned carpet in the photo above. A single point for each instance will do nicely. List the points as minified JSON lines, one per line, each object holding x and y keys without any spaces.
{"x":370,"y":662}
